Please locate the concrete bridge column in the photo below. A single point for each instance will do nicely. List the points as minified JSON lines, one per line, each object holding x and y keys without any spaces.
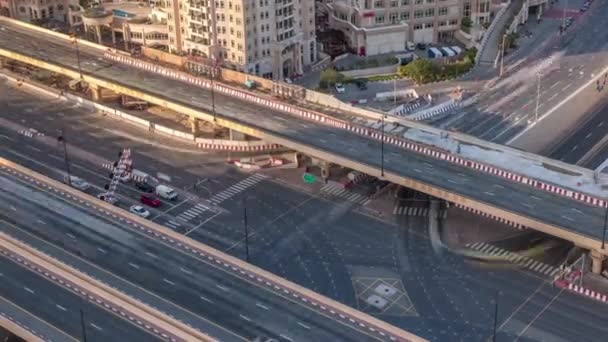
{"x":597,"y":261}
{"x":194,"y":124}
{"x":237,"y":136}
{"x":98,"y":33}
{"x":325,"y":170}
{"x":95,"y":92}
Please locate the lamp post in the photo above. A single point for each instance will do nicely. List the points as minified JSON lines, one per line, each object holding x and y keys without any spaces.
{"x":496,"y":295}
{"x":537,"y":95}
{"x":61,"y":139}
{"x":83,"y":326}
{"x":605,"y":223}
{"x":246,"y":229}
{"x":502,"y":53}
{"x":564,"y":16}
{"x":395,"y":90}
{"x":75,"y":42}
{"x":382,"y":150}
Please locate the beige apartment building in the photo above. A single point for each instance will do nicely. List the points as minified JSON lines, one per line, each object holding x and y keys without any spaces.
{"x":33,"y":10}
{"x":273,"y":39}
{"x":374,"y":27}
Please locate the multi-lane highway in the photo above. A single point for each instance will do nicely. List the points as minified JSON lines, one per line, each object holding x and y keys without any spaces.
{"x":211,"y":299}
{"x":504,"y":111}
{"x":325,"y":246}
{"x":524,"y":200}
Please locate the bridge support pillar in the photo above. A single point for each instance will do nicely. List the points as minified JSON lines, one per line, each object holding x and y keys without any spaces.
{"x":194,"y":125}
{"x":325,"y":168}
{"x":237,"y":136}
{"x":95,"y":92}
{"x":597,"y":261}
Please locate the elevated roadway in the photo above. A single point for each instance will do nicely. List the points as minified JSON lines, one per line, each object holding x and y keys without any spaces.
{"x":554,"y":214}
{"x":196,"y":285}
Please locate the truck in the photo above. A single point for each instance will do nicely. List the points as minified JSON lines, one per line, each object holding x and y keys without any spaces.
{"x":434,"y":53}
{"x":447,"y":52}
{"x":165,"y":192}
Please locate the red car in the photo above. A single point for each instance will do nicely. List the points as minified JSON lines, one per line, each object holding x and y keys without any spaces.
{"x":149,"y":199}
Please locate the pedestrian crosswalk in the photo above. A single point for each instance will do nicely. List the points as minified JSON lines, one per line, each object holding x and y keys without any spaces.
{"x":416,"y":211}
{"x":31,"y":133}
{"x":236,"y":188}
{"x":343,"y":193}
{"x":522,"y":261}
{"x":187,"y":215}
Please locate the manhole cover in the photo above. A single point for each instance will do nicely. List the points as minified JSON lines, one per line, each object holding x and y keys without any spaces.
{"x":385,"y":290}
{"x":376,"y":301}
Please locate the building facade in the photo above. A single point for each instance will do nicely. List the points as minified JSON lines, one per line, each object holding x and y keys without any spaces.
{"x":374,"y":27}
{"x":35,"y":10}
{"x":273,"y":39}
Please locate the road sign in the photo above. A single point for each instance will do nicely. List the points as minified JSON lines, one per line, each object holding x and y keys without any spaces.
{"x":309,"y":178}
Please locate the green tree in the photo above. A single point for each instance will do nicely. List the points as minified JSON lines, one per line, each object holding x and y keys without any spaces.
{"x":420,"y":71}
{"x":329,"y":77}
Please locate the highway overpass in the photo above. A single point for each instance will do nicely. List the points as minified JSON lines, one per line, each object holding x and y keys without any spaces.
{"x":560,"y":215}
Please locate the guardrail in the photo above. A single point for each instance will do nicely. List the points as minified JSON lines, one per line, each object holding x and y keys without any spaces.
{"x":97,"y":293}
{"x":251,"y":273}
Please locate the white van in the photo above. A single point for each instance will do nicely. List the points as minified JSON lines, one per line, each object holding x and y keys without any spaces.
{"x":166,"y":192}
{"x":411,"y":46}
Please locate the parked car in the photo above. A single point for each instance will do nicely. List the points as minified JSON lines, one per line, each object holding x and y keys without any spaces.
{"x":340,"y":88}
{"x":104,"y":196}
{"x":77,"y":183}
{"x":139,"y":211}
{"x":149,"y":199}
{"x":362,"y":85}
{"x":421,"y":46}
{"x":166,"y":192}
{"x":145,"y":187}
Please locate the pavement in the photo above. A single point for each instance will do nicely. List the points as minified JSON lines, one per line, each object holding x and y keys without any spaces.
{"x":54,"y":311}
{"x":566,"y":63}
{"x":334,"y":141}
{"x":323,"y":244}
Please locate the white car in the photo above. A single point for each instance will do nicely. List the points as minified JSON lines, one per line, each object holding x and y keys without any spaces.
{"x":139,"y":211}
{"x":77,"y":183}
{"x":104,"y":196}
{"x":340,"y":88}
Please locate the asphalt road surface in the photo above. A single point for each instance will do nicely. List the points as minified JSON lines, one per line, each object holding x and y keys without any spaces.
{"x":323,"y":245}
{"x":54,"y":311}
{"x":506,"y":109}
{"x":550,"y":208}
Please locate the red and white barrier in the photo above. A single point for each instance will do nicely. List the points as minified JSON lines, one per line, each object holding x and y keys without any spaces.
{"x":239,"y":148}
{"x":493,"y":217}
{"x":588,"y":293}
{"x":375,"y":134}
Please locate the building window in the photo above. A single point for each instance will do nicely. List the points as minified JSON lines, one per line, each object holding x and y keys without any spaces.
{"x":22,"y":9}
{"x":393,"y":17}
{"x":418,"y":2}
{"x":380,"y":19}
{"x":430,"y":1}
{"x":430,"y":12}
{"x":405,"y":2}
{"x":418,"y":14}
{"x":443,"y":11}
{"x":454,"y":22}
{"x":466,"y":9}
{"x":60,"y":7}
{"x":428,"y":25}
{"x":378,"y":4}
{"x":405,"y":15}
{"x":417,"y":26}
{"x":443,"y":23}
{"x":394,"y":3}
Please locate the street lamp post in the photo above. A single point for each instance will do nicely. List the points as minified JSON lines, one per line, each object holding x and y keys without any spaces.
{"x":246,"y":230}
{"x":395,"y":90}
{"x":75,"y":42}
{"x":213,"y":92}
{"x":564,"y":16}
{"x":382,"y":150}
{"x":61,"y":139}
{"x":496,"y":295}
{"x":502,"y":54}
{"x":537,"y":96}
{"x":605,"y":223}
{"x":83,"y":326}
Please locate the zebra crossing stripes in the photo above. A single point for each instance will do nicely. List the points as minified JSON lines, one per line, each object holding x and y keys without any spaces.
{"x":236,"y":188}
{"x":522,"y":261}
{"x":31,"y":133}
{"x":192,"y":212}
{"x":416,"y":211}
{"x":347,"y":195}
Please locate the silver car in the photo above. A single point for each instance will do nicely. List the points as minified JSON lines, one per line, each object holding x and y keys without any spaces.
{"x":77,"y":183}
{"x":139,"y":211}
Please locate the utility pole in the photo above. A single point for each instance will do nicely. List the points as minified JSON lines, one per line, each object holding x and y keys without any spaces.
{"x":495,"y":317}
{"x":564,"y":16}
{"x":395,"y":90}
{"x":61,"y":139}
{"x":382,"y":150}
{"x":502,"y":54}
{"x":83,"y":326}
{"x":537,"y":96}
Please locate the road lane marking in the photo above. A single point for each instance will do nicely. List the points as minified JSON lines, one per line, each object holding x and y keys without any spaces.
{"x":34,"y":148}
{"x":70,"y":236}
{"x":245,"y":317}
{"x":101,"y":250}
{"x":151,"y":255}
{"x":499,"y":186}
{"x":133,"y":265}
{"x":185,"y":271}
{"x":286,"y":337}
{"x":221,"y":287}
{"x":168,"y":281}
{"x":523,"y":331}
{"x":96,"y":326}
{"x":536,"y":198}
{"x":206,"y":299}
{"x":588,"y":135}
{"x":489,"y":193}
{"x":7,"y":137}
{"x":567,"y":218}
{"x":61,"y":307}
{"x":28,"y":289}
{"x":417,"y":170}
{"x":574,"y":148}
{"x":578,"y":211}
{"x":528,"y":205}
{"x":40,"y":221}
{"x":451,"y":181}
{"x":552,"y":97}
{"x":261,"y":306}
{"x":304,"y":325}
{"x":555,"y":84}
{"x":566,"y":87}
